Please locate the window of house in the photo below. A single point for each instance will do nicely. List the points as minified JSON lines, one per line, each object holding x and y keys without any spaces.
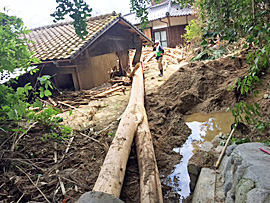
{"x":162,"y":37}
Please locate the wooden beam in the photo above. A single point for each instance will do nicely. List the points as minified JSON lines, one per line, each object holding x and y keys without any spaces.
{"x":123,"y":57}
{"x":138,"y":52}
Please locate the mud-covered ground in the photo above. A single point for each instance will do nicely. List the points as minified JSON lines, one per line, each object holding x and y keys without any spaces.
{"x":196,"y":87}
{"x":32,"y":172}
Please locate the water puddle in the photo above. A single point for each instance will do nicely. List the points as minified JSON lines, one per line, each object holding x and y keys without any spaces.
{"x":204,"y":127}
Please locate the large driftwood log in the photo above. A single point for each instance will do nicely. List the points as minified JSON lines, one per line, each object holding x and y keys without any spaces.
{"x":150,"y":186}
{"x":111,"y":176}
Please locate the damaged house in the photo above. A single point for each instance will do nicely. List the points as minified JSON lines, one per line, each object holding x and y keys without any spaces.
{"x":81,"y":64}
{"x":167,"y":22}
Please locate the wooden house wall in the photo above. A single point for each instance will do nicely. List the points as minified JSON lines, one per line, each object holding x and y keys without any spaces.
{"x":175,"y":35}
{"x":94,"y":71}
{"x":97,"y":61}
{"x":92,"y":67}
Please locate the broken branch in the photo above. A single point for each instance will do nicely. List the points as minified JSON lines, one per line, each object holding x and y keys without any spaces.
{"x":73,"y":108}
{"x":33,"y":183}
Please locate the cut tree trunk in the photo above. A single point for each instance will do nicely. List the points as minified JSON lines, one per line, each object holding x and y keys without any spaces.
{"x":134,"y":120}
{"x":150,"y":186}
{"x":111,"y":176}
{"x":134,"y":70}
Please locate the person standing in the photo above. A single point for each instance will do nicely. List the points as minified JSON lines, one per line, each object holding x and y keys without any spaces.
{"x":159,"y":56}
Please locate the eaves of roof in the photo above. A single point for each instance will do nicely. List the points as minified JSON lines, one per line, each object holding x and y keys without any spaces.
{"x":160,"y":11}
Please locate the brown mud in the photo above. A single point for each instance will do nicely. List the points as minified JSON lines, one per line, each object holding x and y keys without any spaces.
{"x":195,"y":87}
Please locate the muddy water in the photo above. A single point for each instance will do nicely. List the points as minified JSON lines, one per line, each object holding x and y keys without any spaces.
{"x":204,"y":127}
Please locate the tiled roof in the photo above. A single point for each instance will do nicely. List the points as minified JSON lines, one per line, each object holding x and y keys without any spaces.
{"x":59,"y":41}
{"x":160,"y":11}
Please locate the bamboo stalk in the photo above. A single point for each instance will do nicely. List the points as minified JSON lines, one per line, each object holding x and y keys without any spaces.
{"x":224,"y":149}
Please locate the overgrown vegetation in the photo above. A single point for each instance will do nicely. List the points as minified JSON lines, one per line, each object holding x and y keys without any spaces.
{"x":20,"y":108}
{"x":231,"y":21}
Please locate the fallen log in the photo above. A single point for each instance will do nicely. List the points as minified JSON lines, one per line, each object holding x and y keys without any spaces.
{"x":73,"y":108}
{"x":111,"y":176}
{"x":53,"y":102}
{"x":106,"y":93}
{"x":125,"y":80}
{"x":151,"y":55}
{"x":170,"y":59}
{"x":134,"y":70}
{"x":150,"y":186}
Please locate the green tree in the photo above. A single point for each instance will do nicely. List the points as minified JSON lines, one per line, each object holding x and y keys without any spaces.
{"x":78,"y":10}
{"x":14,"y":52}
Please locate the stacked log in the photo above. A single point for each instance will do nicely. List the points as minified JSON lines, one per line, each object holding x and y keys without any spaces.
{"x":134,"y":121}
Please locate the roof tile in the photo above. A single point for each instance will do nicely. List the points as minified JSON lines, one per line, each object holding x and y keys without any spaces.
{"x":59,"y":41}
{"x":159,"y":11}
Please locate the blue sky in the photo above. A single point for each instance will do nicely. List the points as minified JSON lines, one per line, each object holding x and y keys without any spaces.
{"x":36,"y":13}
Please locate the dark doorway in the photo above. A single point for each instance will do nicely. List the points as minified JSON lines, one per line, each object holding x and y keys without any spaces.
{"x":65,"y":81}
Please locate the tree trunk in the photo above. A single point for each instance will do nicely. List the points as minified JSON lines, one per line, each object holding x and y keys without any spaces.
{"x":111,"y":176}
{"x":150,"y":186}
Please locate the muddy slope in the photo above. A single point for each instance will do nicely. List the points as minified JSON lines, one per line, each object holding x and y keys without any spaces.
{"x":195,"y":87}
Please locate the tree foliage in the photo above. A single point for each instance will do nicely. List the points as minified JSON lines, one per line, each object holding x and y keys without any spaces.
{"x":15,"y":106}
{"x":140,"y":8}
{"x":14,"y":52}
{"x":78,"y":10}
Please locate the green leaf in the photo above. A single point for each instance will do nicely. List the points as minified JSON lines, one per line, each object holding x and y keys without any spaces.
{"x":20,"y":90}
{"x":47,"y":93}
{"x":41,"y":94}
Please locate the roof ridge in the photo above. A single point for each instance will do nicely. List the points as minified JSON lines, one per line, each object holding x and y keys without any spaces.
{"x":71,"y":21}
{"x":159,"y":4}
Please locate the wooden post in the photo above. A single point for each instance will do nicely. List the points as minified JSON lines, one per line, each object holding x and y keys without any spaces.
{"x":138,"y":52}
{"x":111,"y":176}
{"x":123,"y":61}
{"x":150,"y":186}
